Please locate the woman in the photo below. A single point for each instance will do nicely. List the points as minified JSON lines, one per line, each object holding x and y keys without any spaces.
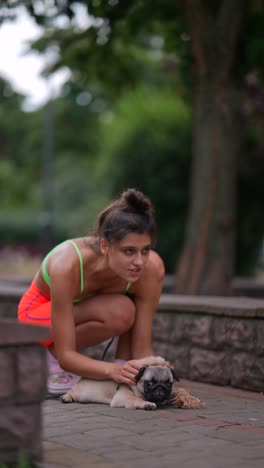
{"x":90,"y":289}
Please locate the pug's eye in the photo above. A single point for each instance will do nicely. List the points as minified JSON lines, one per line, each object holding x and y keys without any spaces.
{"x":169,"y":383}
{"x":150,"y":382}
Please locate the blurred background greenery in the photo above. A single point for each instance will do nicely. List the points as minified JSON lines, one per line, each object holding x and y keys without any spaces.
{"x":126,"y":118}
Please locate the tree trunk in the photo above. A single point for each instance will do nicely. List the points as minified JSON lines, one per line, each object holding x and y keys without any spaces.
{"x":207,"y":261}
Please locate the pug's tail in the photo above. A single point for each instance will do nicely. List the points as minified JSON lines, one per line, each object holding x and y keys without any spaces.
{"x":183,"y":399}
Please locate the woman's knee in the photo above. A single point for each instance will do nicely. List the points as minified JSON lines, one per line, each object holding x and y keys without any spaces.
{"x":122,"y":317}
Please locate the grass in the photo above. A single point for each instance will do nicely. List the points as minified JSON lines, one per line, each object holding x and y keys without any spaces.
{"x":23,"y":462}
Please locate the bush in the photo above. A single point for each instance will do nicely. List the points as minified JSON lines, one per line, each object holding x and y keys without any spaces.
{"x":26,"y":229}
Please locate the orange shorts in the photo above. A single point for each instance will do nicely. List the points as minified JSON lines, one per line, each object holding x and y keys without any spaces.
{"x":35,"y":308}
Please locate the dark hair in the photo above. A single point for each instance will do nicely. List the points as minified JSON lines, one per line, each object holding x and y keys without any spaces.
{"x":132,"y":212}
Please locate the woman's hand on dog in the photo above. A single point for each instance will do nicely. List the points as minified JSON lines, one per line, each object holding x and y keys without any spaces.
{"x":169,"y":364}
{"x":126,"y":372}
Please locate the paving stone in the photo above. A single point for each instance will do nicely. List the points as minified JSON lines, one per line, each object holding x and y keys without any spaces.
{"x":59,"y":455}
{"x":227,"y":433}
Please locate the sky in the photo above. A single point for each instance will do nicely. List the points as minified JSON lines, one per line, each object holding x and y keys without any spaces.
{"x":24,"y":70}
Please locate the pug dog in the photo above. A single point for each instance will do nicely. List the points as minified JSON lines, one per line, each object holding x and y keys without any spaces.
{"x":154,"y":384}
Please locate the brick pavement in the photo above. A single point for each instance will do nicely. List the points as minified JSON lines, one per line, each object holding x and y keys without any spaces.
{"x":228,"y":433}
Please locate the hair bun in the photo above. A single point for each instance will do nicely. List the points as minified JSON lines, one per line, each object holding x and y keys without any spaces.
{"x":132,"y":212}
{"x":137,"y":201}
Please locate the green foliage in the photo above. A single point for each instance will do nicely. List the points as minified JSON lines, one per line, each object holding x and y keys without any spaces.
{"x":19,"y":155}
{"x":73,"y":198}
{"x":76,"y":116}
{"x":147,"y":142}
{"x":24,"y":228}
{"x":22,"y":462}
{"x":125,"y":44}
{"x":147,"y":145}
{"x":16,"y":186}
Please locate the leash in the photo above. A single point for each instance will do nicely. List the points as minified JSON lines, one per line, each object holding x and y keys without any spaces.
{"x":104,"y":354}
{"x":106,"y":348}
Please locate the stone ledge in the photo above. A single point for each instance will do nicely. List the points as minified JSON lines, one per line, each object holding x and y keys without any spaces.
{"x":215,"y":305}
{"x":13,"y":332}
{"x":12,"y":292}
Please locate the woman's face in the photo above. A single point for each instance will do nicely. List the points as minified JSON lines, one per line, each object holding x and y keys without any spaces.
{"x":128,"y":257}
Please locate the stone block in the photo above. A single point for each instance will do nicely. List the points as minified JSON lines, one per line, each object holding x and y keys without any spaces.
{"x":162,"y":327}
{"x":13,"y":332}
{"x":243,"y":334}
{"x":24,"y":374}
{"x":20,"y":432}
{"x":247,"y":371}
{"x":221,"y":332}
{"x":7,"y":380}
{"x":160,"y":349}
{"x":31,"y":378}
{"x":234,"y":334}
{"x":201,"y":331}
{"x":179,"y":356}
{"x":181,"y":328}
{"x":260,"y":338}
{"x":23,"y":370}
{"x":209,"y":366}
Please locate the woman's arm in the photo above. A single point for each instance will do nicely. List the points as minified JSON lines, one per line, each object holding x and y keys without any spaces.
{"x":147,"y":296}
{"x":64,"y":334}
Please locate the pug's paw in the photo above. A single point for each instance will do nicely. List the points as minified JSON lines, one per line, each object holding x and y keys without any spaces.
{"x":150,"y":406}
{"x":66,"y":398}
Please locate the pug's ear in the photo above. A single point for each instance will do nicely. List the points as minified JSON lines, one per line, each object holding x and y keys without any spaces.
{"x":174,"y":375}
{"x":140,"y":373}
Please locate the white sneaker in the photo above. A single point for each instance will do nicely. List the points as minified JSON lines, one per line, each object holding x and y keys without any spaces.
{"x":60,"y":382}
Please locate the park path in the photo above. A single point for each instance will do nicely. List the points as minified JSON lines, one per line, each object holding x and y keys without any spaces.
{"x":227,"y":433}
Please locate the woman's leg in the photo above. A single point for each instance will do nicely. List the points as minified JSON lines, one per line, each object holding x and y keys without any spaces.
{"x":123,"y":350}
{"x":101,"y":317}
{"x":35,"y":309}
{"x":96,"y":319}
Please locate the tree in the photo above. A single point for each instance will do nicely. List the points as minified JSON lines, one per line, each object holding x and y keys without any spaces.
{"x":206,"y":265}
{"x":111,"y":54}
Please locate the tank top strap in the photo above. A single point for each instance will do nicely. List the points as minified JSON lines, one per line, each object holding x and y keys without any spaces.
{"x":81,"y":264}
{"x":127,"y":287}
{"x":44,"y":264}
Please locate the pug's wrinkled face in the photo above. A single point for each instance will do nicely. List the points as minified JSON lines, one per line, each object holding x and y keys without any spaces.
{"x":155,"y":383}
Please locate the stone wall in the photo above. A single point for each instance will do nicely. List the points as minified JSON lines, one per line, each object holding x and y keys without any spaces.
{"x":215,"y":340}
{"x":10,"y":294}
{"x":23,"y":370}
{"x":240,"y":286}
{"x":209,"y":339}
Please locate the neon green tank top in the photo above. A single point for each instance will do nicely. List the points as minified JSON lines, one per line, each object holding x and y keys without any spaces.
{"x":46,"y":277}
